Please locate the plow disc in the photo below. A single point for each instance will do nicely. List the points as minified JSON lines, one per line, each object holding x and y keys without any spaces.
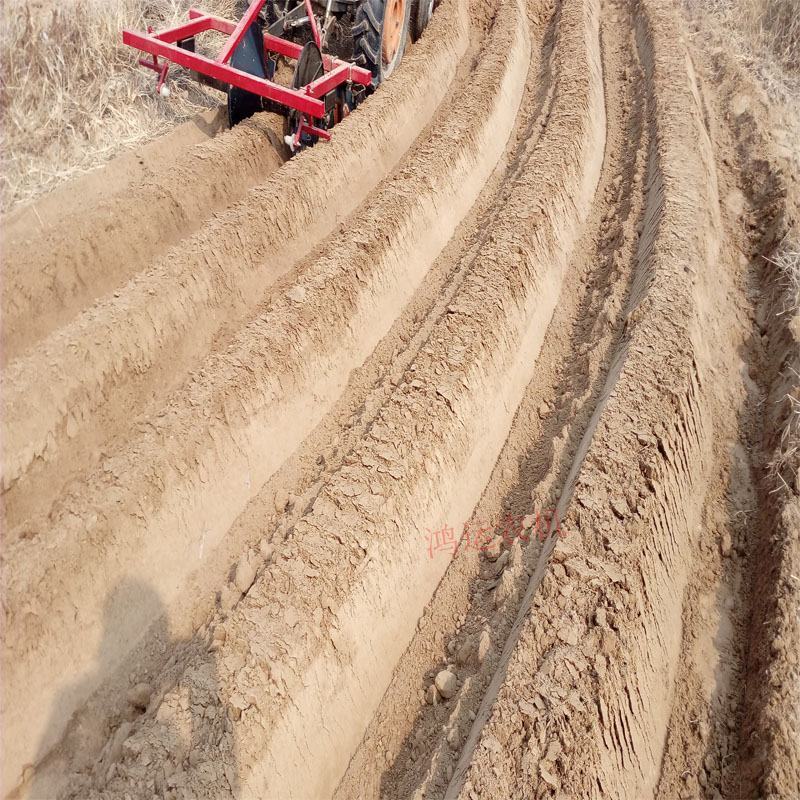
{"x":323,"y":86}
{"x":309,"y":68}
{"x":249,"y":57}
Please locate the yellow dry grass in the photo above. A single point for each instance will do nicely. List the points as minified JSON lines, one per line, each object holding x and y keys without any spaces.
{"x":763,"y":34}
{"x":70,"y":93}
{"x":773,"y":25}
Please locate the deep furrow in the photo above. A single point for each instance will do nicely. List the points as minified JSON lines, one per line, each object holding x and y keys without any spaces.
{"x":608,"y":604}
{"x":710,"y":747}
{"x":269,"y":755}
{"x":424,"y":739}
{"x":87,"y":249}
{"x":231,"y":413}
{"x":454,"y":458}
{"x":124,"y":354}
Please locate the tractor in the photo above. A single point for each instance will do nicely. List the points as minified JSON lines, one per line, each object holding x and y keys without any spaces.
{"x":342,"y":50}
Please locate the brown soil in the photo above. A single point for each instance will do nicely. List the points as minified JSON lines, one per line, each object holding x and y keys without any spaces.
{"x":244,"y":398}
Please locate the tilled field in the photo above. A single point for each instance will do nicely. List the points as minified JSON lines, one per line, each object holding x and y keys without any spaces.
{"x":250,"y":406}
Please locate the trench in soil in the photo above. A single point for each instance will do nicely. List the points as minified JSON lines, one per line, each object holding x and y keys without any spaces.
{"x":547,"y":293}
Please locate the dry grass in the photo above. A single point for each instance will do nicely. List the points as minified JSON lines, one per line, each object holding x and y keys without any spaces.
{"x":70,"y":92}
{"x":764,"y":34}
{"x":786,"y":462}
{"x":784,"y":466}
{"x":787,"y":260}
{"x":774,"y":25}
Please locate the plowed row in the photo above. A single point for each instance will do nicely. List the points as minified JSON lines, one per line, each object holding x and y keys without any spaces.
{"x":244,"y":400}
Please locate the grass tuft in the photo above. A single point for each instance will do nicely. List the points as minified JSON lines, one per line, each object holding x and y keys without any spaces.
{"x":764,"y":34}
{"x":72,"y":96}
{"x":785,"y":464}
{"x":775,"y":25}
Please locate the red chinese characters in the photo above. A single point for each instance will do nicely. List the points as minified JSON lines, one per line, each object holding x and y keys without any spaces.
{"x":478,"y":535}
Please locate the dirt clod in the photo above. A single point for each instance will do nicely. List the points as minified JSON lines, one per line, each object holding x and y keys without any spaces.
{"x":139,"y":695}
{"x":432,"y":695}
{"x":465,"y":652}
{"x":446,"y":683}
{"x":493,"y":549}
{"x":246,"y":572}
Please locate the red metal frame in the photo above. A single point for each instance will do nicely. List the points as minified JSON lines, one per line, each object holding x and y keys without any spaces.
{"x":306,"y":99}
{"x":239,"y":31}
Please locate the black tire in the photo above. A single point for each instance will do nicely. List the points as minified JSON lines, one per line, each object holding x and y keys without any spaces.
{"x":421,"y":13}
{"x":368,"y":38}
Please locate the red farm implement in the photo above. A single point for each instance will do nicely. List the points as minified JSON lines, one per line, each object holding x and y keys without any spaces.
{"x":368,"y":38}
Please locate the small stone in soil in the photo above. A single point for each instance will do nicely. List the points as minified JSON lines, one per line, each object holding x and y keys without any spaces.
{"x":484,"y":645}
{"x":447,"y":683}
{"x":493,"y":548}
{"x":464,"y":653}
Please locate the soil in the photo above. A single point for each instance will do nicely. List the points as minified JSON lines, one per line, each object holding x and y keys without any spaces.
{"x":436,"y":461}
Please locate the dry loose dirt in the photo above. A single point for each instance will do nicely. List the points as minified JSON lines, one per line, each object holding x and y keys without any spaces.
{"x":250,"y":407}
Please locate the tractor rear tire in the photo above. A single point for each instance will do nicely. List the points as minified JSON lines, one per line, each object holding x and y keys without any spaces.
{"x":379,"y":36}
